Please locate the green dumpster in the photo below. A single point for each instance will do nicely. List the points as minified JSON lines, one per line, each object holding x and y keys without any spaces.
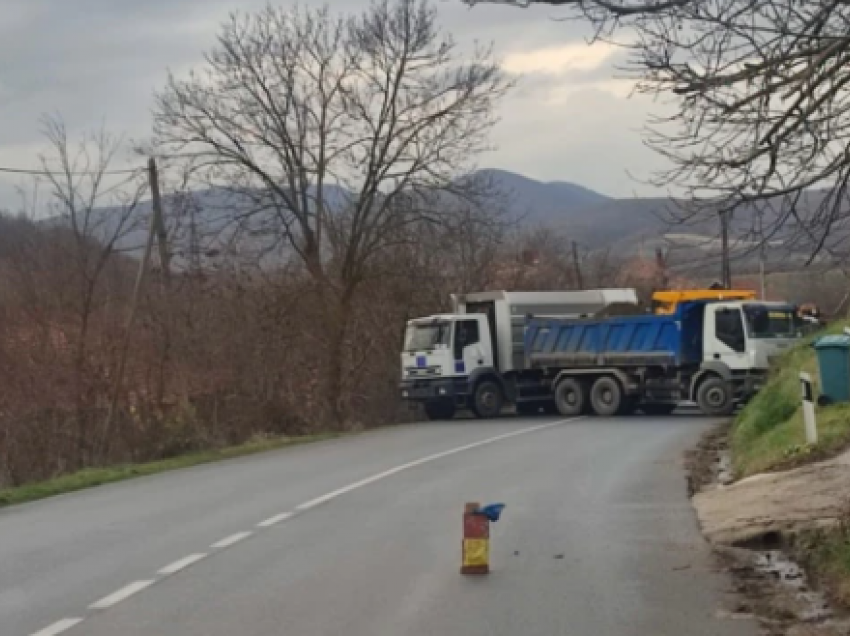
{"x":834,"y":365}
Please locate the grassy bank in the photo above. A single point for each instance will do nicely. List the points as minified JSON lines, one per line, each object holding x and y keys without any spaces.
{"x":826,"y":556}
{"x":98,"y":476}
{"x":769,"y":435}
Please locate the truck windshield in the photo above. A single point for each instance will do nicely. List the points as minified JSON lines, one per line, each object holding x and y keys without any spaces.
{"x":432,"y":335}
{"x":764,"y":321}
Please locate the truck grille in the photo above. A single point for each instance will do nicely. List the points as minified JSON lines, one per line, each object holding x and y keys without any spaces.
{"x":419,"y":372}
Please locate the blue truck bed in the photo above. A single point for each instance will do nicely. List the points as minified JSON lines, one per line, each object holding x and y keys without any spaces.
{"x":656,"y":340}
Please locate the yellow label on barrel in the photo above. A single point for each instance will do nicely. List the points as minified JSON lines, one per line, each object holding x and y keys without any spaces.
{"x":475,"y":552}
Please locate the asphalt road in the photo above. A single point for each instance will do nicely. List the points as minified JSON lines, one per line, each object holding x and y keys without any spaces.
{"x":361,"y":536}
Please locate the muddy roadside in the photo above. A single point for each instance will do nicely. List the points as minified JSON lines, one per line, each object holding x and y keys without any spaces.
{"x":770,"y":554}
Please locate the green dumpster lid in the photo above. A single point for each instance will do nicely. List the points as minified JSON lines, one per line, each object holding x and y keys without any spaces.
{"x":839,"y":340}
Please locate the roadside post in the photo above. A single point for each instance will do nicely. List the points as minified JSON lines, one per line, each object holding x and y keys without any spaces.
{"x":809,"y":418}
{"x":476,"y":537}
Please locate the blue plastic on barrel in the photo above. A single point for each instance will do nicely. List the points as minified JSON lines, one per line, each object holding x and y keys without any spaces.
{"x":491,"y":511}
{"x":833,"y":354}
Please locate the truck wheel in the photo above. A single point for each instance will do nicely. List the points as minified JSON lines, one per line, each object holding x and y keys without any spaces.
{"x":715,"y":397}
{"x":606,"y":397}
{"x":440,"y":410}
{"x":487,"y":401}
{"x":570,"y":397}
{"x":658,"y":408}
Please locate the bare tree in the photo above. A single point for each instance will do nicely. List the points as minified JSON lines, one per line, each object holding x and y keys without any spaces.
{"x":97,"y":204}
{"x":341,"y":132}
{"x":763,"y":107}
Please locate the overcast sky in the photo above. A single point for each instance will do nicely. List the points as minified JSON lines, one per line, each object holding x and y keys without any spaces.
{"x":100,"y":60}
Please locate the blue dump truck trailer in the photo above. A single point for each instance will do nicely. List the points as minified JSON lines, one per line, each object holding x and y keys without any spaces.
{"x":488,"y":355}
{"x":713,"y":353}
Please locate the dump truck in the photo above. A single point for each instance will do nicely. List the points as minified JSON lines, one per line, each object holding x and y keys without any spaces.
{"x":474,"y":357}
{"x":577,"y":360}
{"x":714,"y":353}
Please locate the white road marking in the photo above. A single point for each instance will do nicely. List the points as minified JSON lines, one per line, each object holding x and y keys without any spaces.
{"x":59,"y":626}
{"x":121,"y":595}
{"x":134,"y":588}
{"x":182,"y":564}
{"x":271,"y":521}
{"x":318,"y":501}
{"x":231,"y":540}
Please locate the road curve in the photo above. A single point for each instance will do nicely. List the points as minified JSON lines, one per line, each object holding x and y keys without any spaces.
{"x":360,"y":536}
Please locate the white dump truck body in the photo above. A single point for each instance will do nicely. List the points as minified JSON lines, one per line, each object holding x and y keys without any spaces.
{"x":507,"y":311}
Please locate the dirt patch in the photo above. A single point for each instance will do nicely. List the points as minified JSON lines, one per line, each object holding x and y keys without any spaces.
{"x":765,"y":572}
{"x":709,"y":463}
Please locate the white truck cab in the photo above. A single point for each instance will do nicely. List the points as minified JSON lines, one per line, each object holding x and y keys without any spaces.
{"x":446,"y":346}
{"x":740,"y":342}
{"x":441,"y":354}
{"x":474,"y":356}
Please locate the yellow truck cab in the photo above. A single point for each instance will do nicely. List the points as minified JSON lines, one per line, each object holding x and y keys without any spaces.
{"x":666,"y":302}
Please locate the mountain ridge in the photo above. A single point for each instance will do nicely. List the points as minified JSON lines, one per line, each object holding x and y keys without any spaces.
{"x":625,"y":227}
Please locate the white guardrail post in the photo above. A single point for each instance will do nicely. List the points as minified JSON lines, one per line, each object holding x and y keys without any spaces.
{"x":809,"y":420}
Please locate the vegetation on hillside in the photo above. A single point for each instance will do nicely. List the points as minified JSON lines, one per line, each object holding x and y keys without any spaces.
{"x":768,"y":434}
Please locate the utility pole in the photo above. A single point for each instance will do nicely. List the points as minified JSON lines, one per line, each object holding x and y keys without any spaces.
{"x":158,"y":223}
{"x":725,"y":268}
{"x":156,"y":232}
{"x":762,"y":274}
{"x":144,"y":264}
{"x":194,"y":243}
{"x":577,"y":266}
{"x":661,"y":265}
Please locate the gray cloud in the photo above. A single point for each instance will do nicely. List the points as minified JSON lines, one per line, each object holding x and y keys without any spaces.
{"x":101,"y":60}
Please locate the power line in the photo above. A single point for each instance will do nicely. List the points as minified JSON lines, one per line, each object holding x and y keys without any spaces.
{"x":48,"y":173}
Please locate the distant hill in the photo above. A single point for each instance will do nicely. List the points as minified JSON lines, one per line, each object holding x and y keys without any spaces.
{"x":586,"y":216}
{"x":215,"y":218}
{"x":542,"y":201}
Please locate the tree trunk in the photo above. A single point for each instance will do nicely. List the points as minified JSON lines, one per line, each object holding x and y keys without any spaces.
{"x":339,"y":314}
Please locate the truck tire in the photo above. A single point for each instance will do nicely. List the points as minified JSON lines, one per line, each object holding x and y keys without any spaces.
{"x":440,"y":410}
{"x":658,"y":408}
{"x":715,"y":397}
{"x":487,"y":400}
{"x":606,"y":396}
{"x":570,"y":397}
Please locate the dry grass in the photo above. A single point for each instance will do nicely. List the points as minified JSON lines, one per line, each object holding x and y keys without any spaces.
{"x":98,"y":476}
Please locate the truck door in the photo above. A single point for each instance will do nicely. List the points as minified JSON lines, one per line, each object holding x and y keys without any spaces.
{"x":488,"y":308}
{"x":470,"y":346}
{"x":725,"y":336}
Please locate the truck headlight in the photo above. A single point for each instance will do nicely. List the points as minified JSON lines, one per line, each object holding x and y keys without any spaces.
{"x":441,"y":391}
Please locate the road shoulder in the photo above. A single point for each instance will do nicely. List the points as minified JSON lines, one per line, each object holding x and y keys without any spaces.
{"x":774,"y":533}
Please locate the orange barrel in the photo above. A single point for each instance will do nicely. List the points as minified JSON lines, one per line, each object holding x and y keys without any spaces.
{"x":476,"y":541}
